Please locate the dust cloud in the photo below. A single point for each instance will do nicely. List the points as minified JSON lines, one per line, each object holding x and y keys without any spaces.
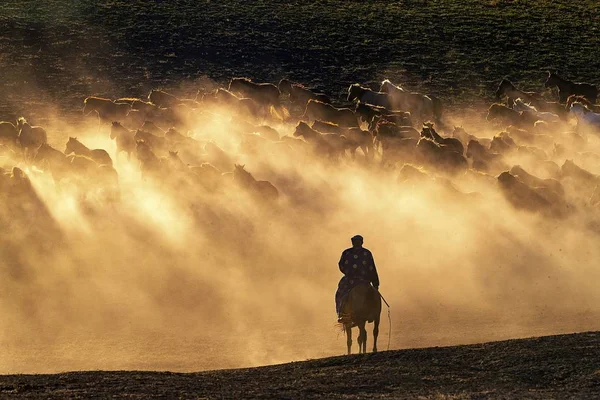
{"x":172,"y":276}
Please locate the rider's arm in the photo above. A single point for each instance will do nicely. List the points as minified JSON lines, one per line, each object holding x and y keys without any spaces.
{"x":343,"y":267}
{"x":374,"y":275}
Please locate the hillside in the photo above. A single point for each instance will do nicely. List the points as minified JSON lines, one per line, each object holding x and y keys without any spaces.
{"x":58,"y":52}
{"x":552,"y":367}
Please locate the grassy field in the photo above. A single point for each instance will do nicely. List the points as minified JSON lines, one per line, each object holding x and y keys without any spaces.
{"x":61,"y":51}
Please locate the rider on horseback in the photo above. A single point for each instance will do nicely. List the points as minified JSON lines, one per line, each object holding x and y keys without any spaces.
{"x":358,"y":267}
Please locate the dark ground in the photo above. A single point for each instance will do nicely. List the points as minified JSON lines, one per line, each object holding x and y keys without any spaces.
{"x":58,"y":52}
{"x":551,"y":367}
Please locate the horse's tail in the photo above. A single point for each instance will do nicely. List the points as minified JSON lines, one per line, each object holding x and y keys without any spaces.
{"x":437,"y":108}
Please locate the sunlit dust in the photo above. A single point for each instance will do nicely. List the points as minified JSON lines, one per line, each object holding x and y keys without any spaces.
{"x":178,"y":272}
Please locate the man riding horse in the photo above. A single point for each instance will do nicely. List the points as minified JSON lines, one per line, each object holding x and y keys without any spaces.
{"x":358,"y":267}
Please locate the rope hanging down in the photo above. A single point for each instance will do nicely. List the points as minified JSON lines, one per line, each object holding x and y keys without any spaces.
{"x":389,"y":320}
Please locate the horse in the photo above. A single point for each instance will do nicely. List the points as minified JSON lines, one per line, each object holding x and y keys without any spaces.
{"x":368,"y":96}
{"x":100,"y":156}
{"x":451,"y":142}
{"x":162,"y":99}
{"x":30,"y":137}
{"x":506,"y":88}
{"x":175,"y":137}
{"x":362,"y":305}
{"x":567,"y":88}
{"x":585,"y":116}
{"x":396,"y":141}
{"x":521,"y":195}
{"x":581,"y":99}
{"x":56,"y":162}
{"x":300,"y":95}
{"x":440,"y":157}
{"x":156,"y":143}
{"x":240,"y":105}
{"x":264,"y":93}
{"x":106,"y":109}
{"x":483,"y":159}
{"x":8,"y":133}
{"x":356,"y":137}
{"x":149,"y":162}
{"x":149,"y":126}
{"x":316,"y":110}
{"x":534,"y":181}
{"x":332,"y":145}
{"x":208,"y":175}
{"x":520,"y":105}
{"x":420,"y":106}
{"x":370,"y":114}
{"x":264,"y":189}
{"x":508,"y":116}
{"x":572,"y":170}
{"x":124,"y":138}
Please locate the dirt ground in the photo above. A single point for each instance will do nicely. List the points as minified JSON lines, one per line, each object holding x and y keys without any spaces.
{"x":551,"y":367}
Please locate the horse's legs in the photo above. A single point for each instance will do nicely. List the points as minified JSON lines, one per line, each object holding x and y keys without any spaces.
{"x":349,"y":338}
{"x":362,"y":338}
{"x":375,"y":334}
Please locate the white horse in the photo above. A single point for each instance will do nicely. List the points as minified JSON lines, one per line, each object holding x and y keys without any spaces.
{"x":520,"y":105}
{"x":419,"y":105}
{"x":585,"y":116}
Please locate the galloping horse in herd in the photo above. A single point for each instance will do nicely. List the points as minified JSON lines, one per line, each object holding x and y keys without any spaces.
{"x":399,"y":128}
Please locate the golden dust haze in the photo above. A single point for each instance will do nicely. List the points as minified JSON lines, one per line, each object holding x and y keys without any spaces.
{"x":175,"y":277}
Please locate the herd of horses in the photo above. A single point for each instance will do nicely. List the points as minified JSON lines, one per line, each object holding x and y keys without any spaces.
{"x":390,"y":128}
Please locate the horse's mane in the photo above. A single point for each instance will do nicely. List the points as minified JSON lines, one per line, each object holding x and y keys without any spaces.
{"x":95,"y":98}
{"x":574,"y":98}
{"x":242,"y":79}
{"x":526,"y":105}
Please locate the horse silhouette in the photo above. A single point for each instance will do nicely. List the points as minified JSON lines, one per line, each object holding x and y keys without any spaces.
{"x":362,"y":305}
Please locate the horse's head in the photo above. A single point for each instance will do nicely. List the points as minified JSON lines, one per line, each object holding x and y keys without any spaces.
{"x":474,"y":148}
{"x":506,"y":179}
{"x":427,"y":131}
{"x":285,"y":86}
{"x":301,"y":128}
{"x":89,"y":105}
{"x":458,"y":131}
{"x":385,"y":86}
{"x":21,"y":122}
{"x":354,"y":91}
{"x":364,"y":111}
{"x":241,"y":175}
{"x":71,"y":143}
{"x":519,"y":105}
{"x":502,"y":88}
{"x":551,"y":80}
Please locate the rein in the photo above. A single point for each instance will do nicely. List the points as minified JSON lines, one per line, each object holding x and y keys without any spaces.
{"x":389,"y":320}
